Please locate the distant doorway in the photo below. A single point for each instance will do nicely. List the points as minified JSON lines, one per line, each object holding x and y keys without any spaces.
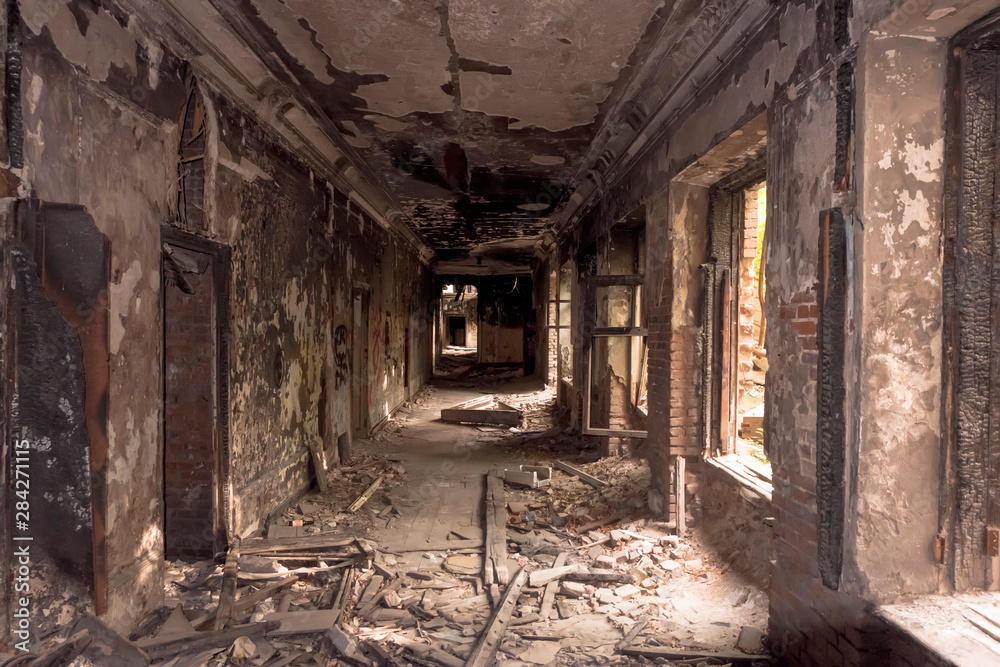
{"x":456,"y":331}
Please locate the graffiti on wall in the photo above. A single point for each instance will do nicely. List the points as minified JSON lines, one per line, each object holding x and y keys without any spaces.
{"x":340,"y":356}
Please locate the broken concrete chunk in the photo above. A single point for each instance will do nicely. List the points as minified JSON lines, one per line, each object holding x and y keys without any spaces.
{"x":566,"y":608}
{"x":750,"y":640}
{"x":627,"y":591}
{"x":605,"y":562}
{"x":607,"y":596}
{"x":344,"y":642}
{"x":572,"y":589}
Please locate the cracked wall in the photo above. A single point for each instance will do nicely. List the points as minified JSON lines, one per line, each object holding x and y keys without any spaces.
{"x":102,"y":101}
{"x":891,"y":503}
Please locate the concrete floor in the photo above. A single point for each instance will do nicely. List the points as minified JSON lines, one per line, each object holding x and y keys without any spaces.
{"x":442,"y":491}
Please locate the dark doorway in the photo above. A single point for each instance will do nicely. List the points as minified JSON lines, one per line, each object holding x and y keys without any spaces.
{"x":194,"y":381}
{"x":456,"y":331}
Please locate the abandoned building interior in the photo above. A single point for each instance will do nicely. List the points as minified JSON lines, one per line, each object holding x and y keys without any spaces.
{"x":453,"y":332}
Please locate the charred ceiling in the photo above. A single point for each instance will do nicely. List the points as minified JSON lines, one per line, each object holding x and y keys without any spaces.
{"x":476,"y":116}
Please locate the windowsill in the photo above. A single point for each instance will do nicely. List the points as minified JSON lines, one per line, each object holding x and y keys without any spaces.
{"x":746,"y":471}
{"x":946,"y":626}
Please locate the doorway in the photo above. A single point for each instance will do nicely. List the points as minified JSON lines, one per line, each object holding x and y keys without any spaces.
{"x":456,"y":331}
{"x":195,"y":379}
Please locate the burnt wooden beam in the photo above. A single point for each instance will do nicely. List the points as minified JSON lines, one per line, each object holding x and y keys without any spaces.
{"x":830,"y":395}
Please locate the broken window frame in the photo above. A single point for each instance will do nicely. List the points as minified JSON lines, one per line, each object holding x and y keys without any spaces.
{"x":596,"y":332}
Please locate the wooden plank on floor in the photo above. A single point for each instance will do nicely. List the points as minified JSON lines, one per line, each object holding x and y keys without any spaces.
{"x":247,"y":602}
{"x":302,"y":622}
{"x":363,"y":498}
{"x":319,"y":463}
{"x":504,"y":416}
{"x":589,"y":479}
{"x":550,"y":589}
{"x":682,"y":654}
{"x":495,"y":570}
{"x":200,"y":641}
{"x":439,"y":545}
{"x":680,"y":493}
{"x":634,"y":631}
{"x":263,"y":545}
{"x":496,"y":627}
{"x":227,"y":596}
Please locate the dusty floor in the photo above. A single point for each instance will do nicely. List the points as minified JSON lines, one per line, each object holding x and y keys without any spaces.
{"x":420,"y":587}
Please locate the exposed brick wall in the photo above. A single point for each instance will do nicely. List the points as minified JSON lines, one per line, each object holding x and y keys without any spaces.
{"x":748,"y":297}
{"x":189,"y":420}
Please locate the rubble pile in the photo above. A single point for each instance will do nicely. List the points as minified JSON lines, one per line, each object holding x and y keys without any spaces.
{"x":563,"y":566}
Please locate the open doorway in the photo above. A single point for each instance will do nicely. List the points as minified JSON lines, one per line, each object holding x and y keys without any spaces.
{"x":616,"y":403}
{"x":195,"y":433}
{"x":456,"y":331}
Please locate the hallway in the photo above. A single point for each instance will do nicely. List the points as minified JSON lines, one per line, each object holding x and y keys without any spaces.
{"x":433,"y":494}
{"x":292,"y":290}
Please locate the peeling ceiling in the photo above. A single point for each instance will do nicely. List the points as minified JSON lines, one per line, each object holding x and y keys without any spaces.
{"x":475,"y":114}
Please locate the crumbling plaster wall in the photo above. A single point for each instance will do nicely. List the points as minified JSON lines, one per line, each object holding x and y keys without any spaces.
{"x":780,"y":71}
{"x":101,"y":100}
{"x":99,"y":130}
{"x":899,"y":270}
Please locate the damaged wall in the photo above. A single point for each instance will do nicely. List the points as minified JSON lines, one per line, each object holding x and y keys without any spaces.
{"x":99,"y":130}
{"x":781,"y":71}
{"x":102,"y":105}
{"x":506,"y":313}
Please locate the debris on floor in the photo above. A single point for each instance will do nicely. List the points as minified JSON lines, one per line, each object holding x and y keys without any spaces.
{"x":564,"y":569}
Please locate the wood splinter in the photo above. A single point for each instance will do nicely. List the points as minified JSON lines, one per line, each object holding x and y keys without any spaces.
{"x":363,"y":498}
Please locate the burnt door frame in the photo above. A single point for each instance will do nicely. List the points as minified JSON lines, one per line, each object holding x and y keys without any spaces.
{"x":720,"y":332}
{"x":971,"y":286}
{"x":221,"y":257}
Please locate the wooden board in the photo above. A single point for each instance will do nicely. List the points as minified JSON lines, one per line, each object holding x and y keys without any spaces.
{"x":503,"y":415}
{"x":441,"y":545}
{"x":322,"y":541}
{"x":495,"y":570}
{"x":589,"y":479}
{"x":199,"y":641}
{"x":227,"y":596}
{"x":363,"y":498}
{"x":496,"y":628}
{"x":634,"y":631}
{"x":681,"y":654}
{"x":319,"y":463}
{"x":299,"y":622}
{"x":248,"y":602}
{"x":550,"y":589}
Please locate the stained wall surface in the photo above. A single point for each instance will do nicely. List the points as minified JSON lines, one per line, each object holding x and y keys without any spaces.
{"x":102,"y":103}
